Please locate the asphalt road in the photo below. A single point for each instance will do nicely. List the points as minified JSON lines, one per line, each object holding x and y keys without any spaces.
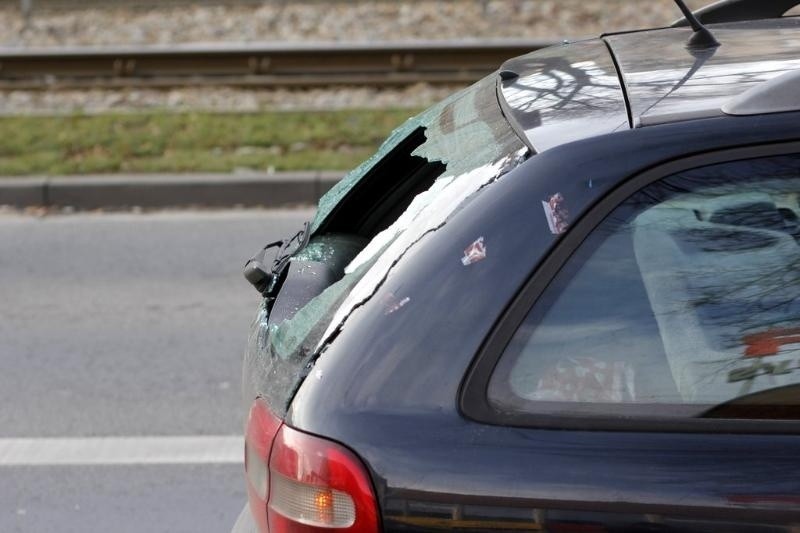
{"x":125,"y":325}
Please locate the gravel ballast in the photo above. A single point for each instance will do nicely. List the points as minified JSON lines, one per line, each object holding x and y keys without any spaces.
{"x":217,"y":99}
{"x":60,"y":23}
{"x":132,"y":23}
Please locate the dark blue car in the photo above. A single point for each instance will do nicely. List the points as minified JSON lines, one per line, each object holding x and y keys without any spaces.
{"x":565,"y":299}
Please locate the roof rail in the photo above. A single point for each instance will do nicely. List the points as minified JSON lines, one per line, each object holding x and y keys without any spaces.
{"x":740,"y":10}
{"x":778,"y":95}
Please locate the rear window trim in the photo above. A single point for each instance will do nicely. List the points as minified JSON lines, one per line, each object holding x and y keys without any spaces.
{"x":473,"y":396}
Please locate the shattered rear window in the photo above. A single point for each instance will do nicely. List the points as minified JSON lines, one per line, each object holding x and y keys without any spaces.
{"x":467,"y":145}
{"x":464,"y":131}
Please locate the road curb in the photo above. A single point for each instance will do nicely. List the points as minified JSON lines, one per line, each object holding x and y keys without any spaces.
{"x":168,"y":190}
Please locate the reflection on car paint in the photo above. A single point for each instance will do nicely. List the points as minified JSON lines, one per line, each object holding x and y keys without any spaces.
{"x":566,"y":93}
{"x":656,"y":86}
{"x":392,"y":304}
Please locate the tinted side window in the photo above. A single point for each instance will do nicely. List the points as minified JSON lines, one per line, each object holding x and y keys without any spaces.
{"x":685,"y":302}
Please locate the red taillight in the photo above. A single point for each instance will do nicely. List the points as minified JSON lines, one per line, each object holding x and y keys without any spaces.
{"x":311,"y":484}
{"x":318,"y":485}
{"x":262,"y":426}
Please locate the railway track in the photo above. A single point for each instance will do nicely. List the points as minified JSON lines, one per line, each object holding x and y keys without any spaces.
{"x":257,"y":64}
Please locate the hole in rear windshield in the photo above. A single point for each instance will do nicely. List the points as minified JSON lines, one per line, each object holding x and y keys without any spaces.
{"x":386,"y":191}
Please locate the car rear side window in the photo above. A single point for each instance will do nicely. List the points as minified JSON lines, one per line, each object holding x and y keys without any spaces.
{"x":683,"y":302}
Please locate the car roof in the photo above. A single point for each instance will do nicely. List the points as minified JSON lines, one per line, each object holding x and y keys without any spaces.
{"x":643,"y":78}
{"x":668,"y":82}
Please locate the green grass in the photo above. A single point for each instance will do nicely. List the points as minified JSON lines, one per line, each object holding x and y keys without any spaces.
{"x":192,"y":142}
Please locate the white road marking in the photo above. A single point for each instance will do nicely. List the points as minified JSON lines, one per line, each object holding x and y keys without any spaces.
{"x":122,"y":451}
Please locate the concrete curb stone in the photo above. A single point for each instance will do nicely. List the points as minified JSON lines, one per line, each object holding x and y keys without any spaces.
{"x":168,"y":190}
{"x":23,"y":192}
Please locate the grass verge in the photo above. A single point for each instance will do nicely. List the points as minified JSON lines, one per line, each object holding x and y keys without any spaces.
{"x":192,"y":142}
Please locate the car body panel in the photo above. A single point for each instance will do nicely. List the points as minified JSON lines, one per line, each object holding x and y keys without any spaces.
{"x":402,"y":390}
{"x":509,"y":215}
{"x":677,"y":83}
{"x":573,"y":91}
{"x":565,"y":93}
{"x":389,"y":379}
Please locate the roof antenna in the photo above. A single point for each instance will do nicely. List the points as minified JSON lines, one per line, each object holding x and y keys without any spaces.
{"x":702,"y":37}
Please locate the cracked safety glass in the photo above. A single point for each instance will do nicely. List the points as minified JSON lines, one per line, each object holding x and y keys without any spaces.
{"x":421,"y":175}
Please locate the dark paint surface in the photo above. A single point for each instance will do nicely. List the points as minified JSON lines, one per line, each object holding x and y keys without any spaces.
{"x":565,"y":93}
{"x":677,"y":83}
{"x":388,"y":385}
{"x":570,"y":92}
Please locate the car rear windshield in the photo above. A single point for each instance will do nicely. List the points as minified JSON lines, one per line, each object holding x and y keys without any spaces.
{"x":423,"y":172}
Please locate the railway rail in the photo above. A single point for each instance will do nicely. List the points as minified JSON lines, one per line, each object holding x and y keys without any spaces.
{"x":257,"y":64}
